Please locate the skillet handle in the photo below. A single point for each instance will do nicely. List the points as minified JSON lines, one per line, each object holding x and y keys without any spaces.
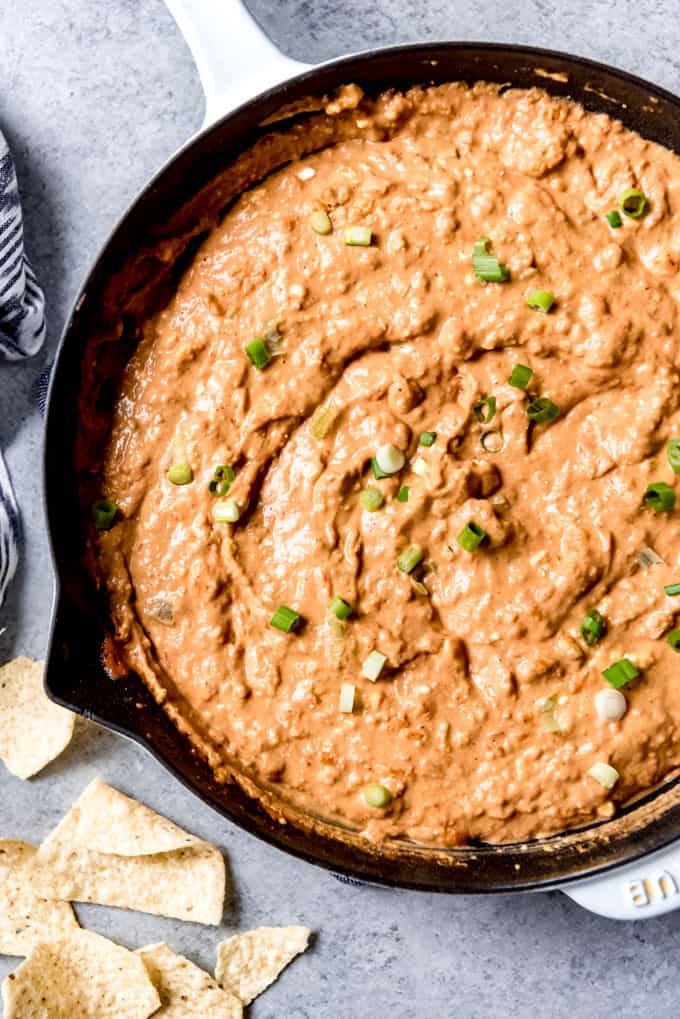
{"x":640,"y":890}
{"x":234,"y":57}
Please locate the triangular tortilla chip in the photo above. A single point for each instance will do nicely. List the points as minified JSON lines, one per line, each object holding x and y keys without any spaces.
{"x":248,"y":963}
{"x":79,"y":975}
{"x":33,"y":730}
{"x":88,"y":858}
{"x":24,"y":918}
{"x":186,"y":992}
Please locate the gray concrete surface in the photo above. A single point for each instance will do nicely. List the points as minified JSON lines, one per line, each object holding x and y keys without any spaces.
{"x":94,"y":96}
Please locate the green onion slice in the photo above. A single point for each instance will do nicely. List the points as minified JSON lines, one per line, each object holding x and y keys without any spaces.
{"x":632,"y":203}
{"x":471,"y":536}
{"x":376,"y":795}
{"x":672,"y":589}
{"x":541,"y":300}
{"x":620,"y":673}
{"x":373,"y":666}
{"x":647,"y":558}
{"x":104,"y":512}
{"x":221,"y":480}
{"x":492,"y":441}
{"x":258,"y":352}
{"x":320,"y":222}
{"x":180,"y":474}
{"x":604,"y":774}
{"x":486,"y":267}
{"x":285,"y":619}
{"x":484,"y":410}
{"x":673,"y":454}
{"x":378,"y":473}
{"x":347,"y":694}
{"x":542,"y":410}
{"x":227,"y":512}
{"x":427,"y":438}
{"x":358,"y":235}
{"x":371,"y":499}
{"x":409,"y":558}
{"x":403,"y":493}
{"x":673,"y":639}
{"x":339,"y":607}
{"x":614,"y":219}
{"x":520,"y":376}
{"x":546,"y":707}
{"x":323,"y":420}
{"x":593,"y":627}
{"x":659,"y":497}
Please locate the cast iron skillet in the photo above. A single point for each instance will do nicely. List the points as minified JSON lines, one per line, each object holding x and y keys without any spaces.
{"x":75,"y":676}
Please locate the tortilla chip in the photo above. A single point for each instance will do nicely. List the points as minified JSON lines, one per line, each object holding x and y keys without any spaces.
{"x":33,"y":730}
{"x":186,"y":992}
{"x":112,"y":850}
{"x":24,"y":918}
{"x":80,"y":975}
{"x":248,"y":963}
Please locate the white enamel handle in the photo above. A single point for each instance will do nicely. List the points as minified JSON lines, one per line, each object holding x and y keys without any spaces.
{"x":634,"y":892}
{"x":235,"y":59}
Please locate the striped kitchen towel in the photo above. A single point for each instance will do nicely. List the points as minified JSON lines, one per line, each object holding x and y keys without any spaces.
{"x":22,"y":331}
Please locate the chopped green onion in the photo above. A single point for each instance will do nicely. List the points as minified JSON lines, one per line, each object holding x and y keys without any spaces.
{"x":409,"y":558}
{"x":373,"y":666}
{"x":672,"y":589}
{"x":632,"y":203}
{"x":221,"y":480}
{"x":546,"y":707}
{"x":258,"y":352}
{"x":376,"y":795}
{"x":541,"y":300}
{"x":323,"y":420}
{"x":389,"y":460}
{"x":673,"y":454}
{"x":492,"y":442}
{"x":620,"y":673}
{"x":371,"y":499}
{"x":358,"y":235}
{"x":378,"y":474}
{"x":104,"y":512}
{"x":614,"y":219}
{"x":673,"y":639}
{"x":420,"y":467}
{"x":593,"y":627}
{"x":227,"y":512}
{"x":660,"y":497}
{"x":427,"y":438}
{"x":478,"y":409}
{"x":486,"y":267}
{"x":471,"y":536}
{"x":403,"y":493}
{"x":347,"y":693}
{"x":647,"y":558}
{"x":542,"y":410}
{"x":604,"y":774}
{"x":339,"y":607}
{"x":285,"y":619}
{"x":320,"y":222}
{"x":520,"y":376}
{"x":180,"y":474}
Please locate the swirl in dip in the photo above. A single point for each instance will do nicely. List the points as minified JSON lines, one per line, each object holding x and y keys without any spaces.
{"x":497,"y":574}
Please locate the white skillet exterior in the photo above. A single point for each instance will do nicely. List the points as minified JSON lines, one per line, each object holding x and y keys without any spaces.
{"x":236,"y":61}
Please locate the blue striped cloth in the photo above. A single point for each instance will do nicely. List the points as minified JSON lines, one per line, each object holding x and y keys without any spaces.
{"x":22,"y":331}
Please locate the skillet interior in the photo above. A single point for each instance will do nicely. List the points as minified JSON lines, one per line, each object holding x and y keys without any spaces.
{"x":75,"y":676}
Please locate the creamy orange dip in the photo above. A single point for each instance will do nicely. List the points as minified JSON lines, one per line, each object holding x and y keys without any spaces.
{"x":488,"y":713}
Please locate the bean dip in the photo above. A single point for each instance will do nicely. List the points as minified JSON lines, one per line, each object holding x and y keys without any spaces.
{"x":375,"y":518}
